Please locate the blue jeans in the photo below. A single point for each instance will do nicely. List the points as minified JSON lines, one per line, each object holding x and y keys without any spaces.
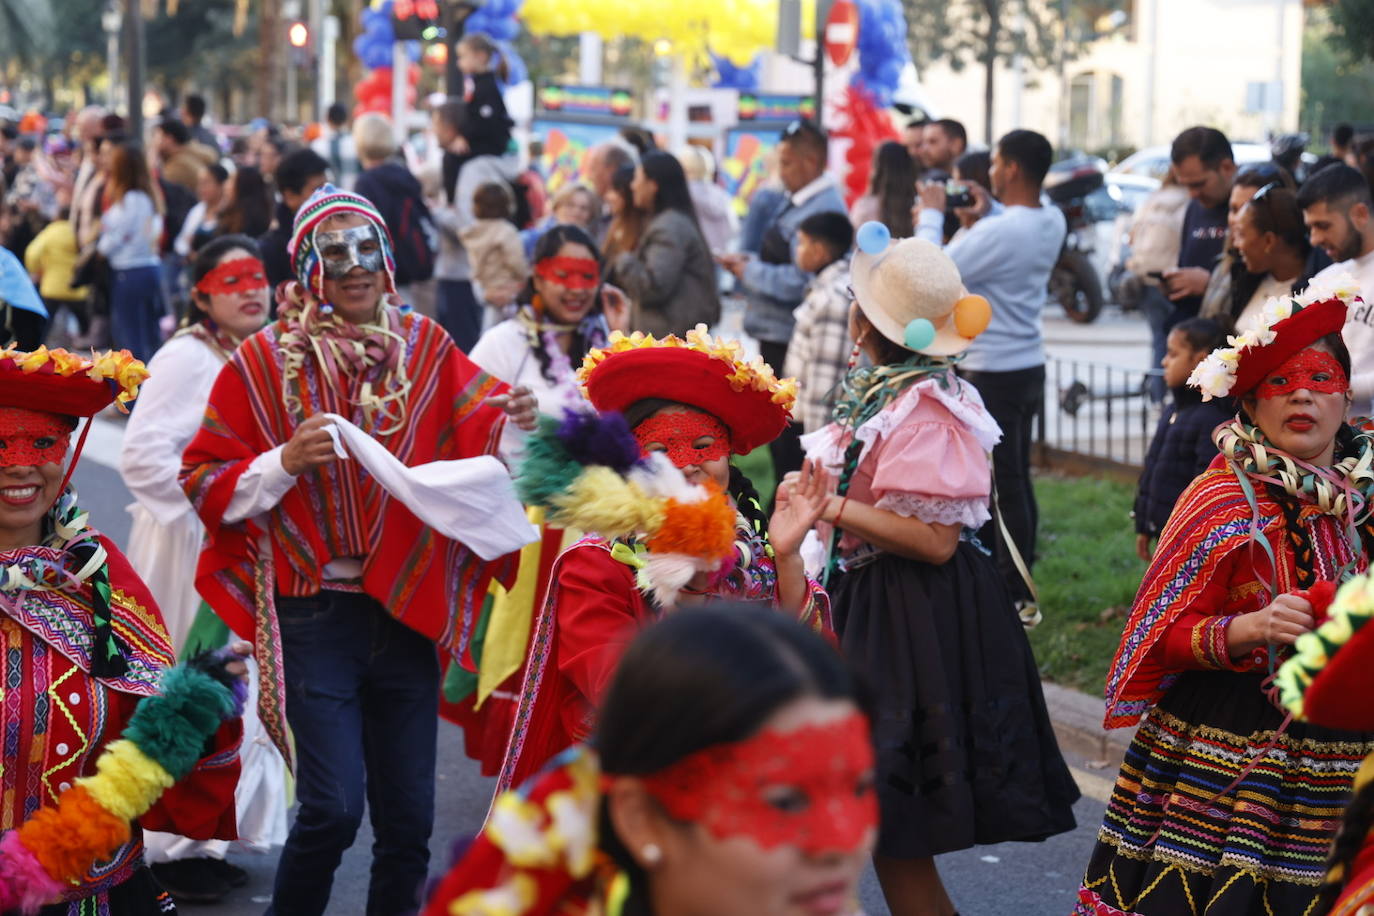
{"x":362,"y":698}
{"x":136,"y":306}
{"x":1158,"y":310}
{"x":460,"y":313}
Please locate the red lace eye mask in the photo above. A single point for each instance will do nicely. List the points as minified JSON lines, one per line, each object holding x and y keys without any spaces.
{"x":678,"y":432}
{"x":811,"y":788}
{"x":29,"y":438}
{"x":233,"y":276}
{"x":1315,"y":370}
{"x":570,"y":273}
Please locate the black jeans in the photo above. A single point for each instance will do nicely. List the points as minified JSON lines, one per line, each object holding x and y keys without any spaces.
{"x":362,"y":698}
{"x":1013,"y":399}
{"x":460,"y":313}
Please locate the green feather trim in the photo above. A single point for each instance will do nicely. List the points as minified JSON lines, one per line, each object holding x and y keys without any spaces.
{"x":173,"y":726}
{"x":547,"y":469}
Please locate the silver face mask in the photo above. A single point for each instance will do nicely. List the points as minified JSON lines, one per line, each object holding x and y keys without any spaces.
{"x":344,"y":249}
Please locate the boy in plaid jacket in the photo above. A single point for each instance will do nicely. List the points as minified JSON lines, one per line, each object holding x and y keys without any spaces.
{"x":818,"y":354}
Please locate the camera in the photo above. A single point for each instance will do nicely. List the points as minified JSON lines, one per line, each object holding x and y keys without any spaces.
{"x":957,"y":196}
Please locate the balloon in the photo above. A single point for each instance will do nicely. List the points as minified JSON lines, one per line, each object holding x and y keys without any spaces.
{"x":972,"y":315}
{"x":873,"y":237}
{"x":920,"y":333}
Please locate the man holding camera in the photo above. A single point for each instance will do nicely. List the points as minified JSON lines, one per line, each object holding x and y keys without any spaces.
{"x":1006,"y":257}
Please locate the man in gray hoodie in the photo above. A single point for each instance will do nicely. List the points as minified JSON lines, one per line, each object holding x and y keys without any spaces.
{"x":458,"y":309}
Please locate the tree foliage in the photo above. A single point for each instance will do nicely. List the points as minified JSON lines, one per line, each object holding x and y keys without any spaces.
{"x":992,"y":33}
{"x":1352,"y":24}
{"x":1335,"y":88}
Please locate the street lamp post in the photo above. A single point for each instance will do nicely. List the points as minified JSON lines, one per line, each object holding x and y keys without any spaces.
{"x":133,"y":25}
{"x":110,"y":21}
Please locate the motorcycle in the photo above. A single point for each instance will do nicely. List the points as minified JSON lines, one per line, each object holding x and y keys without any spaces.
{"x":1074,"y":282}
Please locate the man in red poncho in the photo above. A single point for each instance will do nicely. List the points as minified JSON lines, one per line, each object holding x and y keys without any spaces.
{"x":346,"y":591}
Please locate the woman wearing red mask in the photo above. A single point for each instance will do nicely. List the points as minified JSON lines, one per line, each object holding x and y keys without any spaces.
{"x":84,"y":657}
{"x":1221,"y":805}
{"x":698,"y":402}
{"x":731,"y":774}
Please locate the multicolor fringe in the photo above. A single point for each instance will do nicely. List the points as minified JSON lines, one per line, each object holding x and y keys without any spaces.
{"x":161,"y":744}
{"x":587,"y":471}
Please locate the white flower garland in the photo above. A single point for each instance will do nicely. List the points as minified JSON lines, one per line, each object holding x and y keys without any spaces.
{"x":1215,"y":376}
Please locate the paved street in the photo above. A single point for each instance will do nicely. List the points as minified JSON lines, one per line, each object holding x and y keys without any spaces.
{"x":1019,"y":879}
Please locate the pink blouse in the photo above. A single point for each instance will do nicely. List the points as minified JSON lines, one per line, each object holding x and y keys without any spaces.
{"x":925,"y":456}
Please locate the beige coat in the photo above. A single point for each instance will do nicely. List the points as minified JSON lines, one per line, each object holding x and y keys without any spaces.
{"x":496,"y":254}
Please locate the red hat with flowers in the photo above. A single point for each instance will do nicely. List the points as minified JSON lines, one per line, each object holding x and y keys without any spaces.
{"x":1285,"y":328}
{"x":699,"y":371}
{"x":56,"y":381}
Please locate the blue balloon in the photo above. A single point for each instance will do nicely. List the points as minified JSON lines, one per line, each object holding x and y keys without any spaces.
{"x":920,"y":333}
{"x":873,"y":237}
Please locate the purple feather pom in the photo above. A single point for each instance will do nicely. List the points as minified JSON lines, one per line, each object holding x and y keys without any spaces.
{"x":599,"y":438}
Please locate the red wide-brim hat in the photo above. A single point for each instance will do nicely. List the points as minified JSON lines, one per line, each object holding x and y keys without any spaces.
{"x":1292,"y":335}
{"x":699,"y":372}
{"x":58,"y":382}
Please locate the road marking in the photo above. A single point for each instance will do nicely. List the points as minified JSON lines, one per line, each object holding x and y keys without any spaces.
{"x":1092,"y":785}
{"x":104,"y":443}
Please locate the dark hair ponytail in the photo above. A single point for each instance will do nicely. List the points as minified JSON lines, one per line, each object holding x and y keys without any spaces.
{"x":702,"y":677}
{"x":748,"y":502}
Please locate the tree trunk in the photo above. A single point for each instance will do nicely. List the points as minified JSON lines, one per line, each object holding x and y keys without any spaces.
{"x":270,"y":40}
{"x":994,"y":10}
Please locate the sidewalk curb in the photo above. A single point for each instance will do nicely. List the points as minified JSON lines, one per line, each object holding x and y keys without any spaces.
{"x":1077,"y":720}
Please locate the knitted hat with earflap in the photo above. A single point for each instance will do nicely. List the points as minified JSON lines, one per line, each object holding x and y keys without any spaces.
{"x":330,"y":201}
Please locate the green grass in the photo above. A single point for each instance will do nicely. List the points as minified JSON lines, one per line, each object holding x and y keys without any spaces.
{"x":1087,"y":574}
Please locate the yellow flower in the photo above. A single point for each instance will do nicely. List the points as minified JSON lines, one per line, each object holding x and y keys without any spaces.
{"x":66,"y":363}
{"x":517,"y":827}
{"x":514,"y":898}
{"x":32,"y":362}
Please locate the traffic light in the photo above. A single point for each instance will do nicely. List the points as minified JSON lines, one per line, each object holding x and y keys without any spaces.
{"x":298,"y":33}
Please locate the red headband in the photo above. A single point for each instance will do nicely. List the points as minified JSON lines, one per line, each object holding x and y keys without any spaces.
{"x":811,"y":788}
{"x":237,"y":275}
{"x":573,"y":273}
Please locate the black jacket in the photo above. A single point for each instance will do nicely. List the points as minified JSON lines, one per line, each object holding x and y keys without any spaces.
{"x":398,"y":198}
{"x":1181,"y":449}
{"x":272,"y":244}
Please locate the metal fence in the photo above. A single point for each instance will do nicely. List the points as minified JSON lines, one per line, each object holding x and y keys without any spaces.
{"x":1098,"y":411}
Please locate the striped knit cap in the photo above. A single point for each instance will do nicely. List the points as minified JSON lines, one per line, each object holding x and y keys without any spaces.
{"x":330,"y":201}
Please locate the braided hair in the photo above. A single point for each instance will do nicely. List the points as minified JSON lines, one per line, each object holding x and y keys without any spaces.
{"x":107,"y":657}
{"x":584,"y":337}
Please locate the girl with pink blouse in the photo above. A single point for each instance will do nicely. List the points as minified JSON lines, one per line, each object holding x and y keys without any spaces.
{"x":966,"y":753}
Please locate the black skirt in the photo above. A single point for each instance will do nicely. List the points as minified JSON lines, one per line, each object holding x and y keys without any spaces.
{"x":966,"y":752}
{"x":139,"y":895}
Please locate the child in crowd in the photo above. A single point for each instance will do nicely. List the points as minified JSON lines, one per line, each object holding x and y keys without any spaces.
{"x":1182,"y":447}
{"x":818,"y":355}
{"x":494,"y":249}
{"x":487,"y":130}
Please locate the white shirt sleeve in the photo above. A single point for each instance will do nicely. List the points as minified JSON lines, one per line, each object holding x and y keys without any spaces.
{"x":169,"y":414}
{"x":260,"y":487}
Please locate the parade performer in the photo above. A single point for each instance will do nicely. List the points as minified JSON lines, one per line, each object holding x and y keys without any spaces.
{"x":346,"y":590}
{"x":564,"y":312}
{"x":229,"y":302}
{"x":731,"y":773}
{"x":966,"y":753}
{"x":1220,"y":806}
{"x":83,"y":647}
{"x":696,"y":401}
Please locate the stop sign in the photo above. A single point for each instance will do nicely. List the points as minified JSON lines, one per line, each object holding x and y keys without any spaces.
{"x":841,"y":31}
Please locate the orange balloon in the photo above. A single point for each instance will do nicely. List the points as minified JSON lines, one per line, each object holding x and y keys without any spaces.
{"x":972,"y":315}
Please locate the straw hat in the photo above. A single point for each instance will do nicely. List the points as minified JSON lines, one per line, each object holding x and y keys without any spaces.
{"x":911,"y":292}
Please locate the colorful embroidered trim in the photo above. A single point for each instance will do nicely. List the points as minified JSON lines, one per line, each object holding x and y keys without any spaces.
{"x":161,"y":744}
{"x":587,"y":471}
